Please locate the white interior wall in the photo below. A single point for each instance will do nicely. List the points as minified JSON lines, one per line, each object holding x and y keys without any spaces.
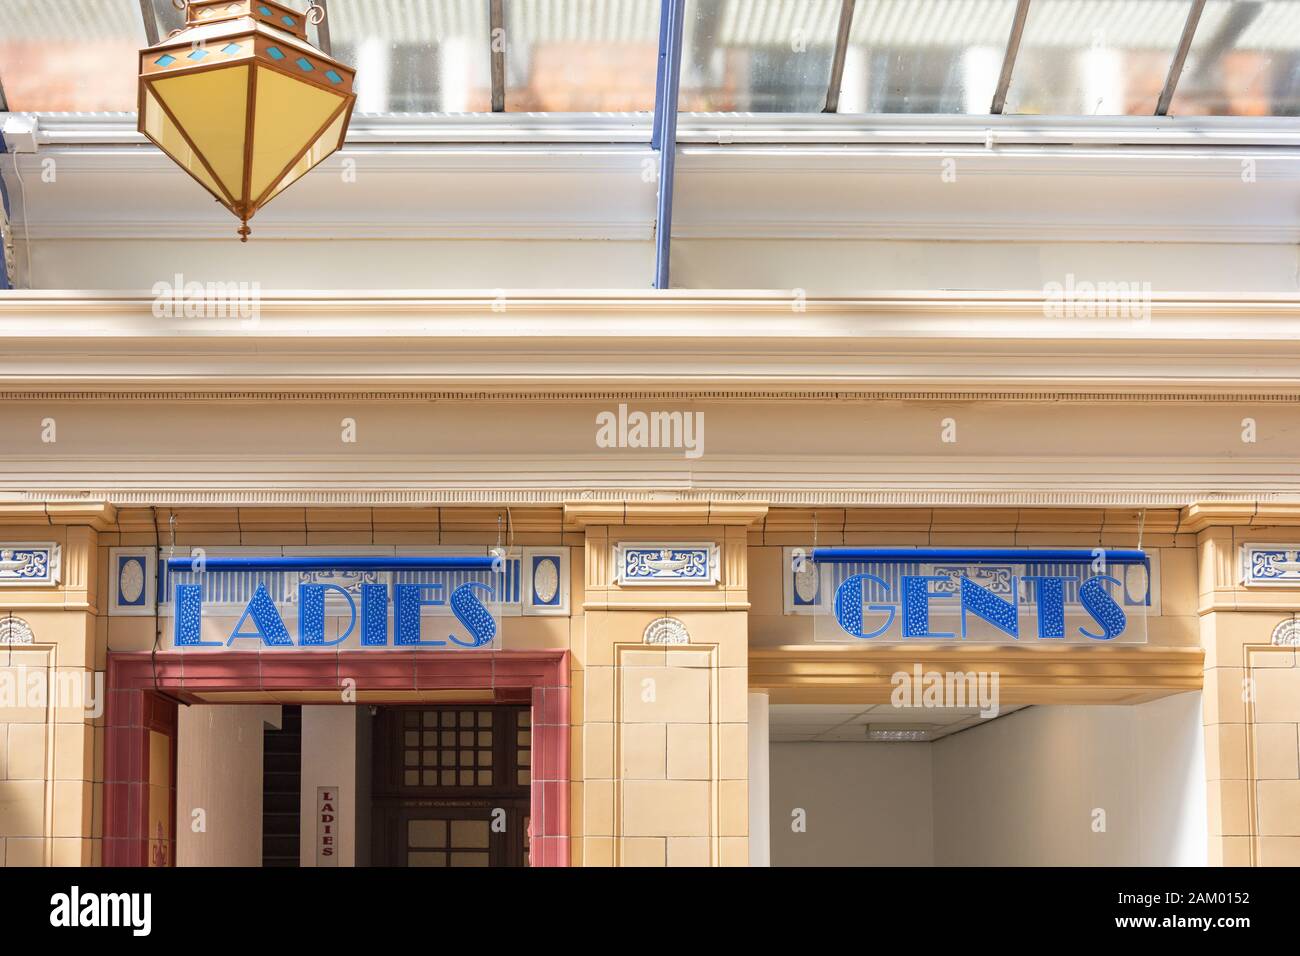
{"x":864,"y":804}
{"x":818,"y":266}
{"x":219,"y":771}
{"x":849,"y":266}
{"x":137,"y":264}
{"x":1026,"y":789}
{"x":1021,"y":790}
{"x":329,"y":759}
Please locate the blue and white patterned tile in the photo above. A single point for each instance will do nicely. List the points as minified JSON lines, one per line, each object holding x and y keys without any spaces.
{"x":1271,"y":565}
{"x":656,"y":563}
{"x":27,"y":565}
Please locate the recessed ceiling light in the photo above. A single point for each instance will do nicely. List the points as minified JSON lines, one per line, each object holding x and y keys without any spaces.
{"x":895,"y":735}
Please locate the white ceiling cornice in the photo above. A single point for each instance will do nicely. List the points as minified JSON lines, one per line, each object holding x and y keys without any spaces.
{"x":720,"y":342}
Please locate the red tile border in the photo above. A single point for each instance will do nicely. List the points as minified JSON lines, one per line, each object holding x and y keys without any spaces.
{"x":143,"y":689}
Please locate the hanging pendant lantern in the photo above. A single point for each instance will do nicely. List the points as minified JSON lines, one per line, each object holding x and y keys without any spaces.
{"x":242,"y":101}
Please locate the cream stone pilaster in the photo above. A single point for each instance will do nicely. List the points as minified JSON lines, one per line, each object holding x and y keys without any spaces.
{"x":51,"y":710}
{"x":663,"y":672}
{"x":1252,"y":687}
{"x":760,"y":794}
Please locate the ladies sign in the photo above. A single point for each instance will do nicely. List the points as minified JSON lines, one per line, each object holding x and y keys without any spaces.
{"x":342,"y":603}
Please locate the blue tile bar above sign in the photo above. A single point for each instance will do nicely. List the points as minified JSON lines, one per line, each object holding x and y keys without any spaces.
{"x":980,"y":595}
{"x":362,"y":602}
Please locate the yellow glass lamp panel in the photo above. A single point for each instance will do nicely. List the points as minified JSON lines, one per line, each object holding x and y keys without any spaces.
{"x":288,"y":116}
{"x":212,"y":108}
{"x":329,"y":141}
{"x":160,"y":128}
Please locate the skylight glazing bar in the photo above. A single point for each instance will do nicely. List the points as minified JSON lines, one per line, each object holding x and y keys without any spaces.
{"x":672,"y":13}
{"x":1009,"y":58}
{"x":841,"y":51}
{"x":323,"y":28}
{"x":150,"y":21}
{"x":497,"y":50}
{"x":1180,"y":57}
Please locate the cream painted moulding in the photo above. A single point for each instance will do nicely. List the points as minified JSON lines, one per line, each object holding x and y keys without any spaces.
{"x":666,"y":564}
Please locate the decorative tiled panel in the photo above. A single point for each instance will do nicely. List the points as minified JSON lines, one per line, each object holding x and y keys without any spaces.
{"x":133,"y":577}
{"x":545,"y":572}
{"x":26,"y":565}
{"x":674,"y":564}
{"x":801,"y":581}
{"x":1270,"y":565}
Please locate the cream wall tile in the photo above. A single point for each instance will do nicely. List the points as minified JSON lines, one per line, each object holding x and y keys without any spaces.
{"x":661,"y":694}
{"x":643,"y":751}
{"x":598,"y":701}
{"x":644,"y":851}
{"x":1277,"y":695}
{"x":598,"y":808}
{"x":74,"y":751}
{"x":24,"y":851}
{"x":665,"y":808}
{"x":27,"y":751}
{"x":1279,"y":807}
{"x":733,"y":695}
{"x":734,"y":851}
{"x":733,"y":751}
{"x":690,"y":751}
{"x":597,"y":851}
{"x":688,"y":851}
{"x":22,"y":811}
{"x":733,"y":808}
{"x":73,"y":808}
{"x":598,"y":751}
{"x":1277,"y":756}
{"x":1275,"y":851}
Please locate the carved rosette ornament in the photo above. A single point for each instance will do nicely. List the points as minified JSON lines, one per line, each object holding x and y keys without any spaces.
{"x":1287,"y":633}
{"x":14,"y":630}
{"x":666,"y":630}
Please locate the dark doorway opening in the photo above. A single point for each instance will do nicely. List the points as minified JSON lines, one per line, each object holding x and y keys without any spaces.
{"x":281,"y":787}
{"x":451,"y":785}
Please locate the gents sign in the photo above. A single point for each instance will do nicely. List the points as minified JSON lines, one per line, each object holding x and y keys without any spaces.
{"x":333,"y":603}
{"x":984,"y":595}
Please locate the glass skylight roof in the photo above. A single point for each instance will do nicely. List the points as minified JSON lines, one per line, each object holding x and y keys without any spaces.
{"x":1062,"y":57}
